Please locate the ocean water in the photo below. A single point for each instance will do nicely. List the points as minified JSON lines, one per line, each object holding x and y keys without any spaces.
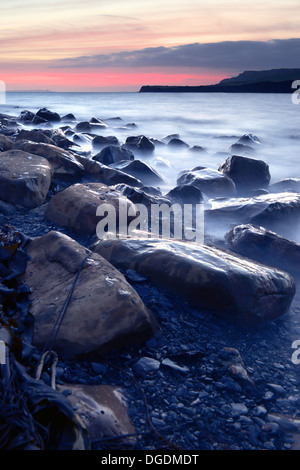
{"x":211,"y":120}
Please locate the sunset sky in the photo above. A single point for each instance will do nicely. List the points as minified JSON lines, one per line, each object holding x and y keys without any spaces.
{"x":120,"y":45}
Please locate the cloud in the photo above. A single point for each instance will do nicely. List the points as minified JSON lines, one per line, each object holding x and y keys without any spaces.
{"x":225,"y":55}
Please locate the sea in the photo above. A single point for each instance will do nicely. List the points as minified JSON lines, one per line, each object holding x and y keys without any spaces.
{"x":213,"y":121}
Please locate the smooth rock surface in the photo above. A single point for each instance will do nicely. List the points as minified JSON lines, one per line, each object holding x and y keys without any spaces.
{"x":211,"y":182}
{"x":104,"y":311}
{"x":62,"y":162}
{"x":265,"y":247}
{"x":209,"y":279}
{"x":246,"y":173}
{"x":24,"y":178}
{"x":76,"y":206}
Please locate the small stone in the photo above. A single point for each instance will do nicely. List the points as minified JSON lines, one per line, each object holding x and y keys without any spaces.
{"x":145,"y":366}
{"x":277,"y":389}
{"x":239,"y":408}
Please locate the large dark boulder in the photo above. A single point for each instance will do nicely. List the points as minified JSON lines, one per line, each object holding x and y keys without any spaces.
{"x":48,"y":115}
{"x":104,"y":313}
{"x":113,"y":154}
{"x":279,"y":212}
{"x":101,"y":141}
{"x":210,"y":279}
{"x":34,"y":136}
{"x":75,"y":207}
{"x":140,"y":170}
{"x":265,"y":247}
{"x":247,"y":173}
{"x":24,"y":178}
{"x":211,"y":182}
{"x":185,"y":194}
{"x":140,"y":143}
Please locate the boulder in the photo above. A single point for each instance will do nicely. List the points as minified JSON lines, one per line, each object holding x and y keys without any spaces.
{"x":141,"y":170}
{"x":37,"y":120}
{"x":210,"y":279}
{"x":26,"y":116}
{"x":24,"y":178}
{"x":97,"y":172}
{"x":62,"y":162}
{"x":75,"y":207}
{"x":113,"y":154}
{"x":60,"y":139}
{"x":101,"y":141}
{"x":140,"y":196}
{"x":265,"y":247}
{"x":140,"y":143}
{"x":48,"y":115}
{"x":104,"y":312}
{"x":69,"y":118}
{"x":247,"y":173}
{"x":175,"y":142}
{"x":241,"y":149}
{"x":83,"y":127}
{"x":279,"y":212}
{"x":249,"y":139}
{"x":5,"y":143}
{"x":287,"y":184}
{"x":211,"y":182}
{"x":185,"y":194}
{"x":34,"y":136}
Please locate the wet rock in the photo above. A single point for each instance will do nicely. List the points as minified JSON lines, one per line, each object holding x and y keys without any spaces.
{"x":265,"y":247}
{"x":140,"y":143}
{"x":60,"y":139}
{"x":172,"y":365}
{"x":113,"y":154}
{"x":97,"y":123}
{"x":249,"y":139}
{"x":146,"y":366}
{"x":26,"y":116}
{"x":100,"y":141}
{"x":247,"y":173}
{"x":48,"y":115}
{"x":68,"y":118}
{"x":208,"y":278}
{"x":211,"y":182}
{"x":62,"y":162}
{"x":177,"y":143}
{"x":84,"y":126}
{"x":168,"y":137}
{"x":278,"y":212}
{"x":185,"y":194}
{"x":198,"y":149}
{"x":104,"y":312}
{"x":287,"y":184}
{"x":233,"y":365}
{"x":97,"y":172}
{"x":34,"y":136}
{"x":76,"y":206}
{"x":5,"y":143}
{"x":37,"y":120}
{"x":241,"y":149}
{"x":139,"y":196}
{"x":140,"y":170}
{"x":24,"y":178}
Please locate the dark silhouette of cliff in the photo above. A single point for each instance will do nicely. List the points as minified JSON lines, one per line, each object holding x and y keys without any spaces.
{"x":263,"y":81}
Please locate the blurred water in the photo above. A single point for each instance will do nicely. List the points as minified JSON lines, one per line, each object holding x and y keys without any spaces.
{"x":212,"y":120}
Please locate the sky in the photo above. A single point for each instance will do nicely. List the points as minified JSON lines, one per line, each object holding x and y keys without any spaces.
{"x":120,"y":45}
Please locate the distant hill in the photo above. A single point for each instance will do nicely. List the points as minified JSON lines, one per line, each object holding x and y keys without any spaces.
{"x":261,"y":81}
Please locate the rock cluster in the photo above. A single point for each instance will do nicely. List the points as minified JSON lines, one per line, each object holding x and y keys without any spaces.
{"x":121,"y":288}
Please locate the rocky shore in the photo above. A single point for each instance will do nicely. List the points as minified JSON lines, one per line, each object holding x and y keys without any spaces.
{"x":160,"y":343}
